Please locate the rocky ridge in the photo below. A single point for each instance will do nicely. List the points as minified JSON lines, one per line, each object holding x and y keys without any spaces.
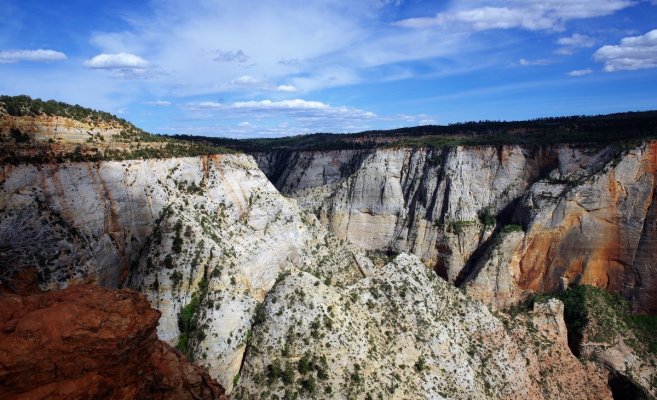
{"x":204,"y":237}
{"x":402,"y":332}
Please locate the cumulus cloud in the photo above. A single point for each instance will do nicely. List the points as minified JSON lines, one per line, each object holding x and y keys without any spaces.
{"x":116,"y":61}
{"x":528,"y":63}
{"x":634,"y":52}
{"x":122,"y":65}
{"x":580,"y":72}
{"x":286,"y":88}
{"x":40,"y":55}
{"x":159,"y":103}
{"x":297,"y":107}
{"x":525,"y":14}
{"x":237,"y":56}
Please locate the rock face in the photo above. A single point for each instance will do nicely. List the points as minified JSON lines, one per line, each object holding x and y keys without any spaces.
{"x":587,"y":214}
{"x":404,"y":333}
{"x":209,"y":233}
{"x":86,"y":342}
{"x":251,"y":284}
{"x":624,"y":345}
{"x":59,"y":130}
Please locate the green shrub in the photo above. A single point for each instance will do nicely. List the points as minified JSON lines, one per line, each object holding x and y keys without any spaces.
{"x":486,"y":217}
{"x":512,"y":228}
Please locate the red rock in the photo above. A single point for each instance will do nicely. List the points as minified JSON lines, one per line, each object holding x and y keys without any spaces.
{"x":87,"y":342}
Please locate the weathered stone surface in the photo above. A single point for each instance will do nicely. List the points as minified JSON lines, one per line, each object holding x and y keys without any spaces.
{"x":60,"y":130}
{"x":86,"y":342}
{"x":115,"y":223}
{"x":598,"y":230}
{"x":494,"y":280}
{"x":243,"y":275}
{"x":589,"y":214}
{"x":404,"y":333}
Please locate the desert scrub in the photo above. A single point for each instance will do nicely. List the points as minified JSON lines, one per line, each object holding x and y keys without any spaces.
{"x":605,"y":317}
{"x":188,"y":320}
{"x":512,"y":228}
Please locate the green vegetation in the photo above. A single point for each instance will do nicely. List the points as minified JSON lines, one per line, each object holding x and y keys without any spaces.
{"x":456,"y":227}
{"x":512,"y":228}
{"x":605,"y":317}
{"x":130,"y":143}
{"x":620,"y":129}
{"x":188,"y":320}
{"x":177,"y":243}
{"x":486,"y":217}
{"x":20,"y":106}
{"x":420,"y":364}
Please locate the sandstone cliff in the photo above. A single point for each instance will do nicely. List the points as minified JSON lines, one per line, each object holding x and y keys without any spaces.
{"x":91,"y":343}
{"x":245,"y":277}
{"x":205,"y":237}
{"x":587,"y":214}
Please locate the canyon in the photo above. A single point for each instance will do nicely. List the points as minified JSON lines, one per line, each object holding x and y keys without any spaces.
{"x":497,"y":221}
{"x":367,"y":273}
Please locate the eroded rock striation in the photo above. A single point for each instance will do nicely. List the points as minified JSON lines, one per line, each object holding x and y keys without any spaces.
{"x":203,"y":236}
{"x":253,"y":286}
{"x":583,"y":215}
{"x":87,"y":342}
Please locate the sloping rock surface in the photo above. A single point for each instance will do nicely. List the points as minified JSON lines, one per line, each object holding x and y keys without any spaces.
{"x":86,"y":342}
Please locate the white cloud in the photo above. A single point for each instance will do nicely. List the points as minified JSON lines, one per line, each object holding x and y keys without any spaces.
{"x":527,"y":63}
{"x":580,"y":72}
{"x":571,"y":43}
{"x":40,"y":55}
{"x":297,"y":107}
{"x":116,"y":61}
{"x":286,"y":88}
{"x":282,"y":104}
{"x":244,"y":80}
{"x":159,"y":103}
{"x":526,"y":14}
{"x":576,"y":40}
{"x":123,"y":66}
{"x":237,"y":56}
{"x":634,"y":52}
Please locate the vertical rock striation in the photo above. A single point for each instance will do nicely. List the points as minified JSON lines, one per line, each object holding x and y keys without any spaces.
{"x":205,"y":238}
{"x":587,"y":213}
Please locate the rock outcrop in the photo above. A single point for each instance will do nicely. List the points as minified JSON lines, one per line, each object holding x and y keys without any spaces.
{"x":587,"y":213}
{"x":404,"y":333}
{"x":176,"y":229}
{"x":86,"y":342}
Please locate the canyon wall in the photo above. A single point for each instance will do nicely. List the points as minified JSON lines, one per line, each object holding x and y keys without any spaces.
{"x":206,"y":237}
{"x":583,"y":214}
{"x":243,"y":275}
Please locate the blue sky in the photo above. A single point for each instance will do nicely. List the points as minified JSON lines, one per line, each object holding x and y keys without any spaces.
{"x":272,"y":68}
